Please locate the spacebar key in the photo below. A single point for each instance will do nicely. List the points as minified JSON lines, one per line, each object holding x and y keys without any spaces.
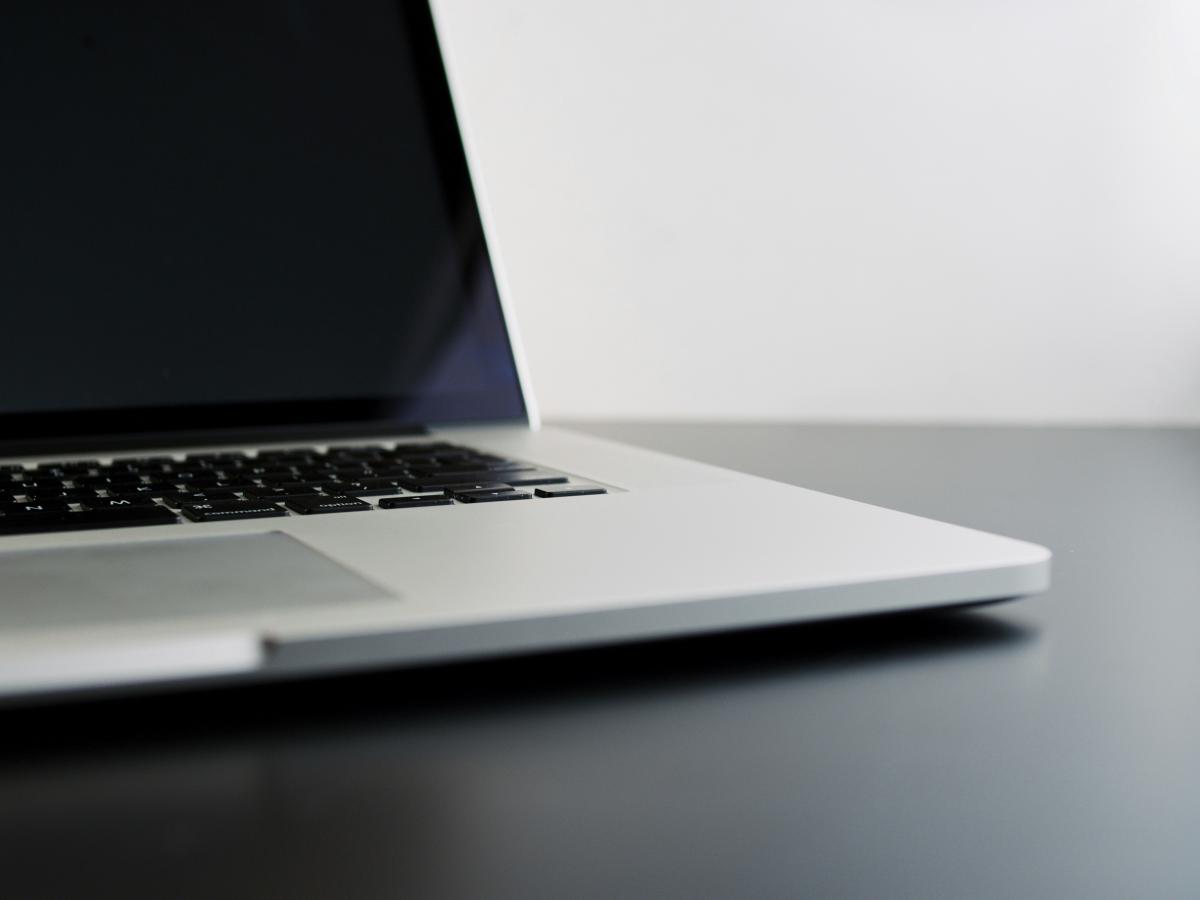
{"x":88,"y":518}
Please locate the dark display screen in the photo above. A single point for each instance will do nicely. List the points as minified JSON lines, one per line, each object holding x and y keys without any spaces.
{"x":232,"y":214}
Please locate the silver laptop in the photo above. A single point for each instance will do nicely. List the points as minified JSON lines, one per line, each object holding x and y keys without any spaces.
{"x":264,"y":410}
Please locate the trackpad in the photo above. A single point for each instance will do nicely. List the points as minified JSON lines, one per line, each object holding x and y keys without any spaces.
{"x":109,"y":583}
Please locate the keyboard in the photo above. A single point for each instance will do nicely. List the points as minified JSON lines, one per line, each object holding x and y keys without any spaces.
{"x":195,"y":488}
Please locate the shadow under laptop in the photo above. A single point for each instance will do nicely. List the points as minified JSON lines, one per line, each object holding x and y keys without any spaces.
{"x":799,"y":656}
{"x":356,"y":785}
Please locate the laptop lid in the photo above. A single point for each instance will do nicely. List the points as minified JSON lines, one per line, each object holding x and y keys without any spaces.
{"x":246,"y":219}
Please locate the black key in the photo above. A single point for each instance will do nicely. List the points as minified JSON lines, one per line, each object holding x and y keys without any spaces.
{"x":36,"y":484}
{"x":197,"y":483}
{"x":419,"y":486}
{"x":430,"y":447}
{"x":409,"y":502}
{"x":142,"y":489}
{"x":346,"y":472}
{"x":225,"y":456}
{"x":314,"y":473}
{"x":215,"y":484}
{"x":129,"y":516}
{"x":386,"y":471}
{"x":142,"y":460}
{"x":48,"y":495}
{"x":293,"y":487}
{"x":355,"y":452}
{"x":418,"y":461}
{"x":202,"y":479}
{"x":94,"y":481}
{"x":78,"y":465}
{"x":188,"y":498}
{"x":75,"y":495}
{"x":276,"y":495}
{"x":449,"y":451}
{"x":219,"y":494}
{"x":278,"y":476}
{"x":291,"y":454}
{"x":491,"y":463}
{"x":340,"y":487}
{"x":493,"y":458}
{"x":361,"y":490}
{"x":432,"y":464}
{"x":529,"y":479}
{"x":231,"y":509}
{"x":491,"y":496}
{"x":466,"y":474}
{"x":34,"y":507}
{"x":569,"y":490}
{"x":116,"y":502}
{"x":114,"y":467}
{"x":92,"y":518}
{"x":31,"y":522}
{"x":124,"y":478}
{"x":370,"y":487}
{"x":195,"y":469}
{"x":228,"y":469}
{"x":151,"y":471}
{"x":477,"y":487}
{"x":310,"y":505}
{"x":183,"y":498}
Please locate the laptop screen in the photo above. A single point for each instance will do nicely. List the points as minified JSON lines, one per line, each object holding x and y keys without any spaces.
{"x":238,"y":215}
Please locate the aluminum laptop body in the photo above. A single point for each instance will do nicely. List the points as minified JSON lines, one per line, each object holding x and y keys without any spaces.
{"x":265,"y":414}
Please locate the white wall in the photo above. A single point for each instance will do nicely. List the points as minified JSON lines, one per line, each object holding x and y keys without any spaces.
{"x":916,"y":209}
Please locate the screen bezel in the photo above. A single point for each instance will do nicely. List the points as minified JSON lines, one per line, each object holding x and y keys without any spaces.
{"x":33,"y":432}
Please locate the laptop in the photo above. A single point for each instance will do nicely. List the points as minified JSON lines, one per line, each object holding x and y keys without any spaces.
{"x":265,"y":413}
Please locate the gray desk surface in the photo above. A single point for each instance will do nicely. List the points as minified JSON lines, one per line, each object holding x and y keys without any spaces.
{"x":1044,"y":748}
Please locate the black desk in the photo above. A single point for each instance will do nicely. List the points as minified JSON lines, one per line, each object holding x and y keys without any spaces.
{"x":1045,"y":748}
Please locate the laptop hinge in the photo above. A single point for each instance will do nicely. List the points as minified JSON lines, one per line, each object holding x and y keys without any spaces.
{"x":206,"y":438}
